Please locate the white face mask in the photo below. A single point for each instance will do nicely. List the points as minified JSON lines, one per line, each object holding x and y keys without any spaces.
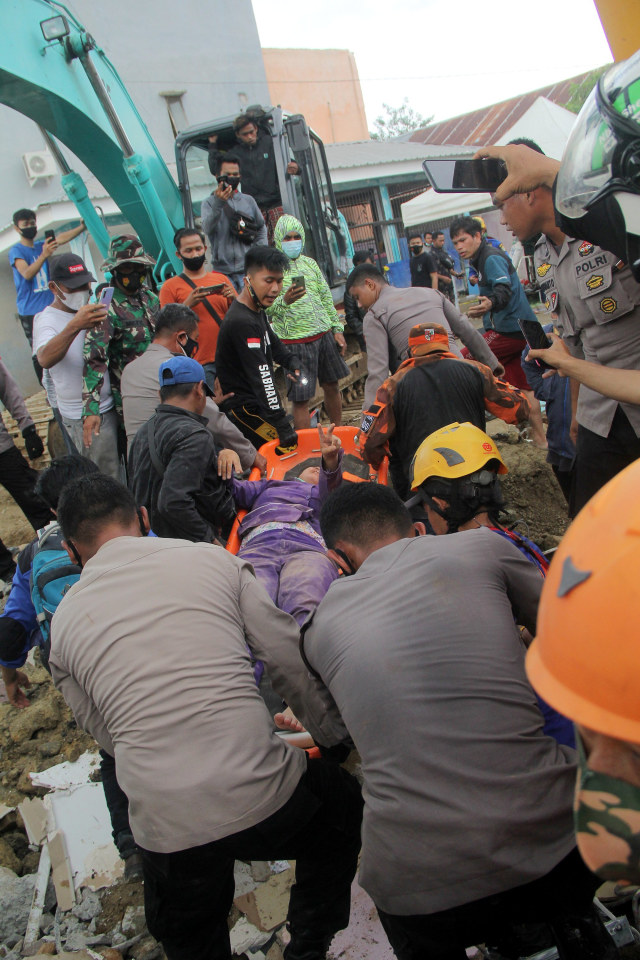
{"x":74,"y":300}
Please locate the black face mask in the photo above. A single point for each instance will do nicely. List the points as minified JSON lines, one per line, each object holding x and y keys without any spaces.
{"x":130,"y":282}
{"x":189,"y":346}
{"x":233,"y":182}
{"x":193,"y":263}
{"x":28,"y":232}
{"x":254,"y":296}
{"x":415,"y":250}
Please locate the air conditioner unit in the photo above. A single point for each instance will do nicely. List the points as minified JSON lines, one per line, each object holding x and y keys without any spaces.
{"x":39,"y":165}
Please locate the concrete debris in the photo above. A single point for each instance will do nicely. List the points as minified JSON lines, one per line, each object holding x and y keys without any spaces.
{"x":266,"y":906}
{"x":133,"y":921}
{"x":16,"y":895}
{"x":61,"y":871}
{"x":42,"y":715}
{"x":245,"y":936}
{"x":89,"y":906}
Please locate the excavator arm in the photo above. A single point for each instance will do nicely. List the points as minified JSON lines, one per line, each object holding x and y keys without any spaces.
{"x":53,"y":72}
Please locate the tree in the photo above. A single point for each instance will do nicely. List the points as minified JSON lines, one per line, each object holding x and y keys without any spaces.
{"x":578,"y":92}
{"x":398,"y":120}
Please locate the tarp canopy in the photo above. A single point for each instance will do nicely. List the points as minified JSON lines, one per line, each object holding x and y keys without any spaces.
{"x":430,"y":206}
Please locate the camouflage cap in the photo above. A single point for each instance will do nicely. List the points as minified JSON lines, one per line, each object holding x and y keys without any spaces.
{"x":126,"y":249}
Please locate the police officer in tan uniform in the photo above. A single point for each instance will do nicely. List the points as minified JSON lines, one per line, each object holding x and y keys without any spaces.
{"x":597,"y":304}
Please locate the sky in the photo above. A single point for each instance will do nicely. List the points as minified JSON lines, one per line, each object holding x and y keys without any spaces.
{"x":447,"y":58}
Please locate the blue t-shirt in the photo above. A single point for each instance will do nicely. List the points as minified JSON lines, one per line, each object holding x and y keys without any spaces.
{"x":32,"y":295}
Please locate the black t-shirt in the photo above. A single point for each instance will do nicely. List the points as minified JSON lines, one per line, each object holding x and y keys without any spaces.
{"x":421,"y":268}
{"x":431,"y":396}
{"x":245,"y":354}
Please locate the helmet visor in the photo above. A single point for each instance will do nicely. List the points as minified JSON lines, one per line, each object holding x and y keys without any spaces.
{"x":589,"y":161}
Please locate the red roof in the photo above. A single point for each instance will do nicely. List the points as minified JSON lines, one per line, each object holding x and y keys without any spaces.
{"x":488,"y":124}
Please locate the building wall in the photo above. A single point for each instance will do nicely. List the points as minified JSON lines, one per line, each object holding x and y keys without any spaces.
{"x":193,"y":47}
{"x":324,"y":86}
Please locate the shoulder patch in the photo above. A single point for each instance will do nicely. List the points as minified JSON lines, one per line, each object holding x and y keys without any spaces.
{"x":585,"y":248}
{"x":595,"y":281}
{"x":608,"y":305}
{"x":543,"y":269}
{"x":552,"y":302}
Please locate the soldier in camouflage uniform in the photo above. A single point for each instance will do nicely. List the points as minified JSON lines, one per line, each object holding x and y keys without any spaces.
{"x":126,"y":332}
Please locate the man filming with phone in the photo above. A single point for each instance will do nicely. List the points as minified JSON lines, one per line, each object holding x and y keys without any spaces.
{"x":305,"y":319}
{"x":207,"y":292}
{"x":29,"y":259}
{"x":58,"y":338}
{"x":232,"y":221}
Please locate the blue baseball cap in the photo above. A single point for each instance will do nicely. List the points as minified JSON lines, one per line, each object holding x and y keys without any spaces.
{"x":182,"y":370}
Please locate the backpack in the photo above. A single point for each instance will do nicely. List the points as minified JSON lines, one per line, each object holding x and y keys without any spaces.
{"x":52,"y":576}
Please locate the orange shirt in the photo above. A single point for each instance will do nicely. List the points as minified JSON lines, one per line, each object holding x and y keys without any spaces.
{"x":175,"y":290}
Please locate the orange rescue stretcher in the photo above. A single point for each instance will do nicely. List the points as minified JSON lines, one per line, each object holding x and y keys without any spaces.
{"x":291,"y":465}
{"x":307,"y":454}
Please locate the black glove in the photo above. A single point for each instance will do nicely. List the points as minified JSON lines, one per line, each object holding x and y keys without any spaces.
{"x":32,"y":442}
{"x":287,"y":440}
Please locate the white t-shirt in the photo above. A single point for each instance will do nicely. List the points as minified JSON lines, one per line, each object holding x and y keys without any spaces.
{"x":67,"y":373}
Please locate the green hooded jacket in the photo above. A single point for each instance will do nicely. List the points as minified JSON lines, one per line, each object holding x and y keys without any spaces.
{"x":313,"y":313}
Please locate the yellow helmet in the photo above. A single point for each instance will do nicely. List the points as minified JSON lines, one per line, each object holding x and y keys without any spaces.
{"x":455,"y":451}
{"x":482,"y":223}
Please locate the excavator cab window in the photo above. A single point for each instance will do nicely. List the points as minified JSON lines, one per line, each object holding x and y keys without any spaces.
{"x":308,"y":196}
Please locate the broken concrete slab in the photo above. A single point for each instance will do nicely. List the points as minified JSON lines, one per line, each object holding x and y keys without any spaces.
{"x":61,"y":870}
{"x":245,"y":936}
{"x":69,"y":774}
{"x":266,"y":906}
{"x":16,"y":896}
{"x":36,"y":819}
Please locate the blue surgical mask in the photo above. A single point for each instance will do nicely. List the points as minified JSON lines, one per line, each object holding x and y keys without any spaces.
{"x":292,"y":248}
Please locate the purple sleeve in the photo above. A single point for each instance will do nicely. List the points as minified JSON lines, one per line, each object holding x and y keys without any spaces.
{"x":246,"y":492}
{"x":329,"y":481}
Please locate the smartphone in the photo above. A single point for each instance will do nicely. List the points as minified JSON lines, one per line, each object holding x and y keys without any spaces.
{"x":216,"y":288}
{"x":536,"y":338}
{"x":465,"y":176}
{"x":106,"y":297}
{"x":299,"y":282}
{"x":49,"y":234}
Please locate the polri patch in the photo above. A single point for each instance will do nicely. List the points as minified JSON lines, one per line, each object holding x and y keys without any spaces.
{"x":595,"y":282}
{"x":608,"y":305}
{"x":585,"y":248}
{"x":543,"y":269}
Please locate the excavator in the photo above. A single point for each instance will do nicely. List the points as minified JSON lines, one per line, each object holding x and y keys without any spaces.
{"x":55,"y":73}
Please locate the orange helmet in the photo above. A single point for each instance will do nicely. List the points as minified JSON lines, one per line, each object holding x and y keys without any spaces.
{"x":427,"y":338}
{"x":584,"y":660}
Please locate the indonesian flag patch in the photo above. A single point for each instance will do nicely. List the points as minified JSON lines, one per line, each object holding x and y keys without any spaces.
{"x":253,"y":343}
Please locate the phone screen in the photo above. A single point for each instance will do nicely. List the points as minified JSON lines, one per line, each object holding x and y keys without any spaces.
{"x":465,"y":176}
{"x":535,"y":337}
{"x":106,"y":297}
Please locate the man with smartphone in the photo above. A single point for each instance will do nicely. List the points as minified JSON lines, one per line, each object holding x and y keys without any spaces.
{"x":502,"y":304}
{"x":59,"y":335}
{"x":305,"y":318}
{"x":29,"y":259}
{"x":207,"y":292}
{"x":232,"y":221}
{"x":596,"y":302}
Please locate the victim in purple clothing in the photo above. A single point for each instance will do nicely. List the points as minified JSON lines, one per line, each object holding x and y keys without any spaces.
{"x":281,"y":536}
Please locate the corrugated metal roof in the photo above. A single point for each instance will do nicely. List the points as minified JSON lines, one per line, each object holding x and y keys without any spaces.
{"x":362,"y":153}
{"x":489,"y":124}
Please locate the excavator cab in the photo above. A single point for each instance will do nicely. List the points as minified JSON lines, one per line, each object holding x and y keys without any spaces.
{"x":308,"y":196}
